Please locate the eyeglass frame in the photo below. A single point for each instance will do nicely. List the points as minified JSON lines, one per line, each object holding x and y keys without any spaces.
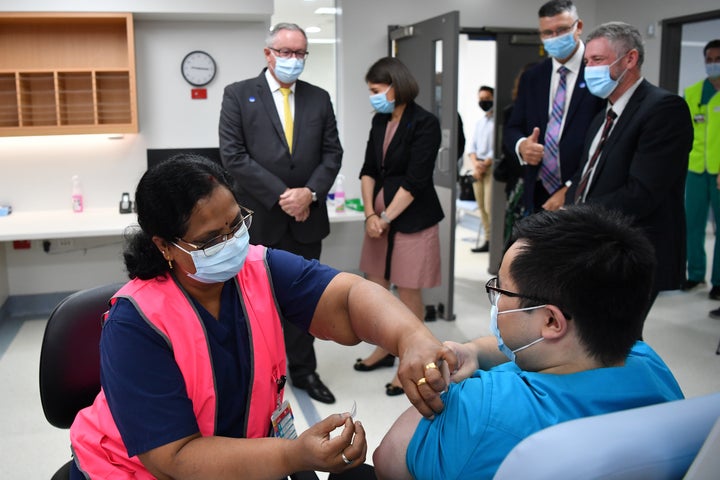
{"x":287,"y":53}
{"x":545,"y":34}
{"x":222,"y":239}
{"x":494,"y":291}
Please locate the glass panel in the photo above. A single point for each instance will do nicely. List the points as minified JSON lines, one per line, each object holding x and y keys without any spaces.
{"x":437,"y":97}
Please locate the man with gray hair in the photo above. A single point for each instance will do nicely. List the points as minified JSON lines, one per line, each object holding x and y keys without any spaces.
{"x":279,"y":138}
{"x":636,"y":151}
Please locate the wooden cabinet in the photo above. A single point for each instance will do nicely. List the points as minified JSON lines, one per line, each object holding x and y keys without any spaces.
{"x":64,"y":73}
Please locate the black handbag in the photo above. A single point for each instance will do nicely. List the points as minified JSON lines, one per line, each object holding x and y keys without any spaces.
{"x":465,"y":184}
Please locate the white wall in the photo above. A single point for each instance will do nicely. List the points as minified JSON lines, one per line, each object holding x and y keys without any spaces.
{"x":37,"y":170}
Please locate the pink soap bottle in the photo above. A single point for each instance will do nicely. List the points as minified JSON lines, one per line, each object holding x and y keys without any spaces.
{"x":77,"y":196}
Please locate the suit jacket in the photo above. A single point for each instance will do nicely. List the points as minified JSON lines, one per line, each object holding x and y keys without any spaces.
{"x":253,"y":148}
{"x":641,"y":172}
{"x":531,"y":110}
{"x":409,"y":163}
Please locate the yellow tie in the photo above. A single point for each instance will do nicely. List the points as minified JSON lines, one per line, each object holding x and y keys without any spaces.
{"x":288,"y":117}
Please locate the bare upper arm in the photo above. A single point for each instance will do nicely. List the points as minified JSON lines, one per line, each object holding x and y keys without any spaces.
{"x":389,"y":457}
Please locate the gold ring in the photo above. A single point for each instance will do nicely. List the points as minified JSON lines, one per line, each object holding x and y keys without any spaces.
{"x":345,"y":459}
{"x":422,"y":381}
{"x":430,"y":365}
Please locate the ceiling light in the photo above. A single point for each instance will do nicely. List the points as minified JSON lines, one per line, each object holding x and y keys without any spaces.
{"x":326,"y":11}
{"x":313,"y":29}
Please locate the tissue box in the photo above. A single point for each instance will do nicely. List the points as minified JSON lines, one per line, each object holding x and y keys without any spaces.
{"x":5,"y":210}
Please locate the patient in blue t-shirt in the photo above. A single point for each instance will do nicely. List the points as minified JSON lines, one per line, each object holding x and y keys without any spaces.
{"x":567,"y":310}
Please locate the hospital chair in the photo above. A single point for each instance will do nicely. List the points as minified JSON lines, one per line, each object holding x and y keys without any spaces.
{"x":70,"y":357}
{"x":673,"y":440}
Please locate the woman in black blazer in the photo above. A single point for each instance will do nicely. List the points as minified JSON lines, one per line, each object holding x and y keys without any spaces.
{"x":402,"y":211}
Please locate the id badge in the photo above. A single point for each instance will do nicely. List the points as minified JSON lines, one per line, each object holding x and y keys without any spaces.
{"x":283,"y":422}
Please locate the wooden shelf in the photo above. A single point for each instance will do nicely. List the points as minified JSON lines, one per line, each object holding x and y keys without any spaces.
{"x":67,"y":73}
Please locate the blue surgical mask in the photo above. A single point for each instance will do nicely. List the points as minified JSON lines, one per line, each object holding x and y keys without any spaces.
{"x":561,"y":47}
{"x":712,"y":70}
{"x":380,"y":102}
{"x":225,"y":264}
{"x":599,"y":81}
{"x":287,"y":70}
{"x":510,"y":354}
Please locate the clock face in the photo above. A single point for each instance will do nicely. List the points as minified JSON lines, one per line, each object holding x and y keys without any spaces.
{"x":198,"y":68}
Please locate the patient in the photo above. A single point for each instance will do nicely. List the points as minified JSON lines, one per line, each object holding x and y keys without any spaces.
{"x":192,"y":355}
{"x":566,"y":308}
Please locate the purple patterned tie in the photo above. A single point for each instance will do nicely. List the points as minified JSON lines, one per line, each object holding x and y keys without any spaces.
{"x":550,"y":166}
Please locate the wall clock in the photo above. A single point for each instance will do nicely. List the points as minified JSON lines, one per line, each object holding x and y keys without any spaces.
{"x":198,"y":68}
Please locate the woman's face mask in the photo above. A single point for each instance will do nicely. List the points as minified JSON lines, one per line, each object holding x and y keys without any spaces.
{"x":223,"y":265}
{"x":380,"y":102}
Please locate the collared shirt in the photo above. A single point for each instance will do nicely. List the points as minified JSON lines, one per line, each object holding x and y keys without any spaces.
{"x":482,"y":145}
{"x":573,"y":65}
{"x":278,"y":97}
{"x":618,"y":107}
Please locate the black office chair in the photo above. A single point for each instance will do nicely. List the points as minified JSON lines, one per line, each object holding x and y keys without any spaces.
{"x":70,"y":357}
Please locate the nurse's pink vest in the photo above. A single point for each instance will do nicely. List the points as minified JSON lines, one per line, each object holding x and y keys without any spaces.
{"x":96,"y":442}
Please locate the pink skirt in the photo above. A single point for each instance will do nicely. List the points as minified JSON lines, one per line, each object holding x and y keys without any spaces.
{"x":415,"y":258}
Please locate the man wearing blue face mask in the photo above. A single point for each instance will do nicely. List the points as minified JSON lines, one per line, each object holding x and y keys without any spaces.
{"x":553,"y":110}
{"x":635,"y":157}
{"x":566,"y":307}
{"x":279,"y":138}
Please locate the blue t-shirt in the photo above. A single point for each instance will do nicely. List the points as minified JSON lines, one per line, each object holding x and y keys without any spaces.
{"x":488,"y":414}
{"x":143,"y":383}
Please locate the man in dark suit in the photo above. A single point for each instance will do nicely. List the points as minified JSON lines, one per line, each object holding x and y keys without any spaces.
{"x":550,"y":146}
{"x":279,"y":138}
{"x":640,"y":166}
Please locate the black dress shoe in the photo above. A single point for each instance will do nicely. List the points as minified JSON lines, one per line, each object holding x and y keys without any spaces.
{"x":393,"y":390}
{"x":315,"y":388}
{"x":482,"y":248}
{"x":688,"y":285}
{"x":714,"y":293}
{"x":387,"y":361}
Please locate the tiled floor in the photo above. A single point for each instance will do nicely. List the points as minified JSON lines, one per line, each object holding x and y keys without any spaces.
{"x":678,"y":328}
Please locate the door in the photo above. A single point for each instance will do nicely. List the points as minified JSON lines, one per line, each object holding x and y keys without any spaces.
{"x":515,"y":48}
{"x":430,"y":50}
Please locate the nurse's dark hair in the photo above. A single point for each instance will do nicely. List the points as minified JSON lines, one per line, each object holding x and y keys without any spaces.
{"x":593,"y":265}
{"x":165,"y":198}
{"x":391,"y":71}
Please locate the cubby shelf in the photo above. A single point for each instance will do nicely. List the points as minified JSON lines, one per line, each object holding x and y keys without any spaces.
{"x":67,"y":73}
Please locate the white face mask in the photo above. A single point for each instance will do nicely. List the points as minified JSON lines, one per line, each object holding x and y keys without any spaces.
{"x":225,"y":264}
{"x":496,"y":331}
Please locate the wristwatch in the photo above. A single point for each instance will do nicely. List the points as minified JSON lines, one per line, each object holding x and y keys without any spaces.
{"x":313,"y":193}
{"x":385,"y":217}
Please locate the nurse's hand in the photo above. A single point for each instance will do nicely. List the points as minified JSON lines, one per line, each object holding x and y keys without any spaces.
{"x":337,"y":454}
